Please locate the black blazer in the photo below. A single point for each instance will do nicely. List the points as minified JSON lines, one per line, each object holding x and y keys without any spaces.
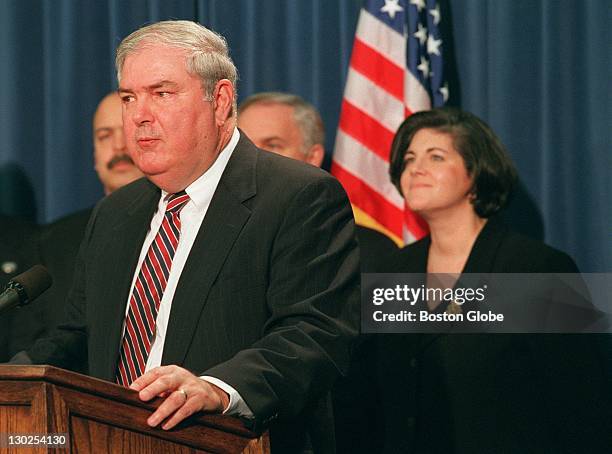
{"x":59,"y":245}
{"x":267,"y":301}
{"x":496,"y":250}
{"x":493,"y":393}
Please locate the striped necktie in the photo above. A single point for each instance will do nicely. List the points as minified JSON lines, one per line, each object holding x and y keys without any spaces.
{"x":147,"y":294}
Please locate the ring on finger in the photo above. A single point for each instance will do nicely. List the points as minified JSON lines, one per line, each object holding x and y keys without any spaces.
{"x":184,"y":393}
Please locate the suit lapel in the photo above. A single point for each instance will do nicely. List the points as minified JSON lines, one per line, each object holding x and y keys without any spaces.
{"x":484,"y":252}
{"x":224,"y":221}
{"x":128,"y":235}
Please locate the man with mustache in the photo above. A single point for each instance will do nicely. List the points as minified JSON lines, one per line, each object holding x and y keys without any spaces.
{"x":112,"y":162}
{"x":227,"y":281}
{"x":59,"y":241}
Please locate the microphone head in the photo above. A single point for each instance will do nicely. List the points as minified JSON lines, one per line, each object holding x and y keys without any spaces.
{"x":32,"y":282}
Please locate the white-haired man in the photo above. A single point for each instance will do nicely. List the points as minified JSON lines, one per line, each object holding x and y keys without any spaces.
{"x":286,"y":124}
{"x":227,"y":280}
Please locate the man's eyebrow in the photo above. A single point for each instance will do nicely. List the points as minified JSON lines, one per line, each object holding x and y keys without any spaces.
{"x":163,"y":83}
{"x":103,"y":128}
{"x":156,"y":85}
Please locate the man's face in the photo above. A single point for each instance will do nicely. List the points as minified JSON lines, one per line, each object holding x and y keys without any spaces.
{"x":271,"y":126}
{"x":111,"y":161}
{"x":173,"y":132}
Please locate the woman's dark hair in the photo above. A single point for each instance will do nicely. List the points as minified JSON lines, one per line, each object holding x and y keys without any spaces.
{"x":486,"y":159}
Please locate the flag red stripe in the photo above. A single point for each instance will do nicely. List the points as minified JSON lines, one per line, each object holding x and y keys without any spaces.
{"x":415,"y":224}
{"x":380,"y":70}
{"x":366,"y":130}
{"x":370,"y":201}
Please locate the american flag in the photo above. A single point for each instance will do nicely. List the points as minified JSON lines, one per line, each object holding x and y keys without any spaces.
{"x":396,"y":69}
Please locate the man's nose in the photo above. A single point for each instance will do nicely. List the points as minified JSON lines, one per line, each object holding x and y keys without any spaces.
{"x":142,"y":112}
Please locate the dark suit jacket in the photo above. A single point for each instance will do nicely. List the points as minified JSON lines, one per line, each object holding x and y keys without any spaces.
{"x":58,"y":247}
{"x":351,"y":403}
{"x":18,"y":252}
{"x":267,"y":301}
{"x":375,"y":248}
{"x":493,"y":393}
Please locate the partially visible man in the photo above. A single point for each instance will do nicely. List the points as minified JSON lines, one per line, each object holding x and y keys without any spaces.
{"x":114,"y":167}
{"x":286,"y":124}
{"x":227,"y":280}
{"x":59,"y":241}
{"x":112,"y":162}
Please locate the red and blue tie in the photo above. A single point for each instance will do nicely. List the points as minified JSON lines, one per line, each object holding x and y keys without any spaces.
{"x":147,"y":294}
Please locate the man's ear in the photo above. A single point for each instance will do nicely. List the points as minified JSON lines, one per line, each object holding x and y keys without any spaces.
{"x":223,"y":99}
{"x":315,"y":155}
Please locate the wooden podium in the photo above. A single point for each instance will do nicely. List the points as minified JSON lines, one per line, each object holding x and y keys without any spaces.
{"x":101,"y":417}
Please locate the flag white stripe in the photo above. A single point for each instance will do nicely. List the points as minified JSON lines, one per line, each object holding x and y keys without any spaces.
{"x":381,"y":37}
{"x":367,"y":166}
{"x":408,"y":236}
{"x":417,"y":98}
{"x":377,"y":103}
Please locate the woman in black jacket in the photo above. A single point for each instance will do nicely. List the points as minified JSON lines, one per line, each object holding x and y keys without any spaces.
{"x":480,"y":393}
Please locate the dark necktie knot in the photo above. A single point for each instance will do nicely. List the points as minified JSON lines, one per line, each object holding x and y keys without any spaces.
{"x":176,"y":202}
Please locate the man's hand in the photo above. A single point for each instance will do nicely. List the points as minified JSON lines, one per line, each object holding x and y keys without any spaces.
{"x":185,"y":394}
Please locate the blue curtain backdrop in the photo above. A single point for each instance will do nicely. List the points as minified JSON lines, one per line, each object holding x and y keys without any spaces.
{"x":538,"y":71}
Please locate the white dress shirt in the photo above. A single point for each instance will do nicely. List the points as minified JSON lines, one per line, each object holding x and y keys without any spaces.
{"x":200,"y":192}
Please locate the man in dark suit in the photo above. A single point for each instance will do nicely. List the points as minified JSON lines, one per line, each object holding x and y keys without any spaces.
{"x":253,"y":274}
{"x":286,"y":124}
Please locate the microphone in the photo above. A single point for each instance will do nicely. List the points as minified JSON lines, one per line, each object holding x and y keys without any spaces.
{"x":25,"y":288}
